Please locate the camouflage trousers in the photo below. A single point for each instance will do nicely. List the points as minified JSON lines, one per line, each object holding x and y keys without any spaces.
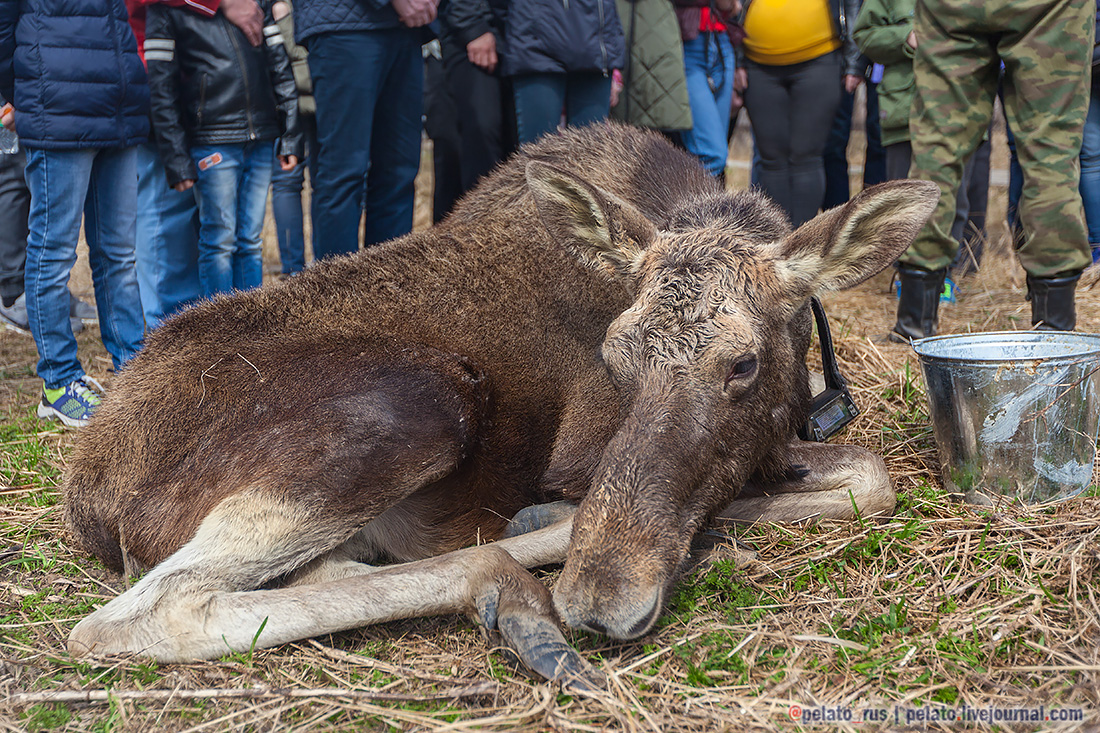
{"x":1046,"y":47}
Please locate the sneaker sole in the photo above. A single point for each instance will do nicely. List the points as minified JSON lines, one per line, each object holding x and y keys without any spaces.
{"x":45,"y":412}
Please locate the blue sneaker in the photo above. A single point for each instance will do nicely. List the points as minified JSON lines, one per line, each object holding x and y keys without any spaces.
{"x":72,"y":404}
{"x":946,"y":296}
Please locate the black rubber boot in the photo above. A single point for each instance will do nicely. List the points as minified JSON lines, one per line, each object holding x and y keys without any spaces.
{"x":1052,"y":302}
{"x":918,"y":303}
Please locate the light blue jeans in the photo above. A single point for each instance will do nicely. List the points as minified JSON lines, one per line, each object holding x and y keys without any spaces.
{"x":708,"y":61}
{"x":101,"y":185}
{"x":167,"y":241}
{"x":232,"y":195}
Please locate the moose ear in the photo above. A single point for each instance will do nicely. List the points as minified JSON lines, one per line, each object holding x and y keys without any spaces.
{"x":844,"y":246}
{"x":603,"y":231}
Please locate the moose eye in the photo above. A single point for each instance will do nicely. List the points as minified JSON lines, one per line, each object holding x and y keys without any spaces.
{"x":741,"y":369}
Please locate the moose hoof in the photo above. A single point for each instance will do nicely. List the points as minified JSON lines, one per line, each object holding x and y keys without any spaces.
{"x":539,"y":644}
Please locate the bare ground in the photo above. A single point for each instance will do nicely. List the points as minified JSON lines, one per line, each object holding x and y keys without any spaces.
{"x":943,"y":606}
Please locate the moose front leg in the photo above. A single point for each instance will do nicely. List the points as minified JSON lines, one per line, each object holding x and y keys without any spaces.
{"x":826,"y":481}
{"x":184,"y":610}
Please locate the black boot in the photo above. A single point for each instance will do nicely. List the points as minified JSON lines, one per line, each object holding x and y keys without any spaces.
{"x":918,"y":303}
{"x":1052,"y":306}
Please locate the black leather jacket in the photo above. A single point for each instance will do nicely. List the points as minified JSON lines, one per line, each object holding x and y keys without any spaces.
{"x":210,"y":86}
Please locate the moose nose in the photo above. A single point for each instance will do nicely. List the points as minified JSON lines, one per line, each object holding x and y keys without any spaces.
{"x":596,"y":626}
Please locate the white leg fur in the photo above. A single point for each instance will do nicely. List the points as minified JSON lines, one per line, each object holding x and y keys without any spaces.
{"x":200,"y":603}
{"x":840,"y":479}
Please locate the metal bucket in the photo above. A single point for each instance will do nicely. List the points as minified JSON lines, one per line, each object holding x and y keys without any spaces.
{"x":1015,"y":414}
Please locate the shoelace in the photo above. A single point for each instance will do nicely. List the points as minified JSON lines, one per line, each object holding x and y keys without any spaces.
{"x":85,"y":391}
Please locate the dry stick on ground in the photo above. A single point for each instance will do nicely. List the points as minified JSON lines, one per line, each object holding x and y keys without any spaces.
{"x":479,"y":689}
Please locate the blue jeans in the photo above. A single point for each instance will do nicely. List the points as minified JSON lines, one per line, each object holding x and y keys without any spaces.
{"x":232,"y":196}
{"x":540,"y":98}
{"x":1090,"y":167}
{"x":369,"y":88}
{"x":286,"y":202}
{"x":167,"y":247}
{"x":101,"y":184}
{"x":709,"y":63}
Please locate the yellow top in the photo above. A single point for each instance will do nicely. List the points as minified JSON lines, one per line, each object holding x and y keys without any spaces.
{"x":783,"y":32}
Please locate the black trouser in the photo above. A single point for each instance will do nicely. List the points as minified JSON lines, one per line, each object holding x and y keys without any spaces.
{"x":470,"y":122}
{"x":15,"y":201}
{"x":791,"y":109}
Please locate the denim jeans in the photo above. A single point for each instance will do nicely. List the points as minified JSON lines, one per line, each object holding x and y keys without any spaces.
{"x":167,"y":247}
{"x":709,"y":63}
{"x":286,"y":202}
{"x":1090,"y":167}
{"x":101,"y":184}
{"x":232,"y":195}
{"x":540,"y":98}
{"x":369,"y":88}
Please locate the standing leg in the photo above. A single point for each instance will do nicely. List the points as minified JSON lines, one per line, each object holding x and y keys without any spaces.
{"x":1090,"y":167}
{"x":219,"y":168}
{"x":286,"y":210}
{"x":874,"y":164}
{"x":248,"y":262}
{"x":1046,"y":102}
{"x":539,"y":102}
{"x":110,"y":214}
{"x":481,"y":129}
{"x":815,"y":89}
{"x":707,"y":139}
{"x":345,"y":108}
{"x":835,"y":156}
{"x":58,"y":181}
{"x":956,"y":76}
{"x":768,"y":100}
{"x":167,"y":241}
{"x":15,"y":202}
{"x":443,"y":124}
{"x":587,"y":98}
{"x":395,"y":138}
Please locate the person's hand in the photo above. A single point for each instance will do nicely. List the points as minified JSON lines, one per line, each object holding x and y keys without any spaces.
{"x":184,"y":185}
{"x":482,"y":52}
{"x":415,"y":13}
{"x":246,"y":15}
{"x":852,"y":82}
{"x":7,"y":117}
{"x":616,"y":86}
{"x":288,"y":162}
{"x":740,"y":80}
{"x":911,"y":40}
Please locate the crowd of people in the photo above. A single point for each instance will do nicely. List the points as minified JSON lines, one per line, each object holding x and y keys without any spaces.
{"x":162,"y":126}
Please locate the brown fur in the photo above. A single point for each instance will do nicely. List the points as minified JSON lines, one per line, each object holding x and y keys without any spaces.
{"x":580,"y":327}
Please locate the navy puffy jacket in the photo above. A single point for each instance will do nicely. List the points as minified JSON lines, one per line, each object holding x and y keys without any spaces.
{"x":72,"y":70}
{"x":332,"y":16}
{"x":557,"y":36}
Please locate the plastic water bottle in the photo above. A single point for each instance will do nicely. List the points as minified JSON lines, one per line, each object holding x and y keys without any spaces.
{"x":9,"y":141}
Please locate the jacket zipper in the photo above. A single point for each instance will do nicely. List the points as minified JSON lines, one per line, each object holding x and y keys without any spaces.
{"x":244,"y":73}
{"x":603,"y":48}
{"x":112,"y":20}
{"x":202,"y":98}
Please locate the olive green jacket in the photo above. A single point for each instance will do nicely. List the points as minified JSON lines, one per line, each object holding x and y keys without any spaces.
{"x":880,"y":33}
{"x":655,"y":87}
